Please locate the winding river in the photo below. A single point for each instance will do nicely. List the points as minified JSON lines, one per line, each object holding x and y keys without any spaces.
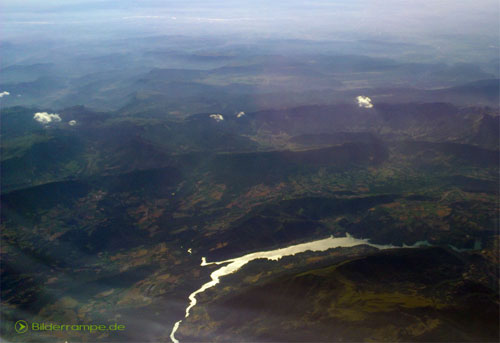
{"x":234,"y":264}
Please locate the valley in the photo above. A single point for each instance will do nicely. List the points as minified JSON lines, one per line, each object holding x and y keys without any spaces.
{"x":320,"y":171}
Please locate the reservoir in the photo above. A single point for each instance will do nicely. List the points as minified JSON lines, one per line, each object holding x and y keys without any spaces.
{"x":232,"y":265}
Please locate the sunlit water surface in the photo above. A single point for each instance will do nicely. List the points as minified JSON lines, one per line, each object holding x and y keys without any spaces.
{"x":234,"y":264}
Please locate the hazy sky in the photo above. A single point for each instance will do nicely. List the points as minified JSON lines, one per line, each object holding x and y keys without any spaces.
{"x":304,"y":19}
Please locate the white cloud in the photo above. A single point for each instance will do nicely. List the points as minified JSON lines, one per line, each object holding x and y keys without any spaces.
{"x":364,"y":101}
{"x":240,"y":114}
{"x":216,"y":20}
{"x":72,"y":122}
{"x":33,"y":22}
{"x":143,"y":17}
{"x":45,"y":118}
{"x":4,"y":94}
{"x":217,"y":117}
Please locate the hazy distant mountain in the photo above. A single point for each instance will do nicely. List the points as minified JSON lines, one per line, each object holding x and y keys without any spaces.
{"x":347,"y":151}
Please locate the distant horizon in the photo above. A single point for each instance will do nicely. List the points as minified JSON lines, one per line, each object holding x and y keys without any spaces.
{"x":142,"y":137}
{"x":393,"y":19}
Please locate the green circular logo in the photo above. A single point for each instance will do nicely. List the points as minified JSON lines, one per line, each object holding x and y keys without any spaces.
{"x":21,"y":326}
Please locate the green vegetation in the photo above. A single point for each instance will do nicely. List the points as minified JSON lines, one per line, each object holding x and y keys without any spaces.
{"x":400,"y":295}
{"x":97,"y":218}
